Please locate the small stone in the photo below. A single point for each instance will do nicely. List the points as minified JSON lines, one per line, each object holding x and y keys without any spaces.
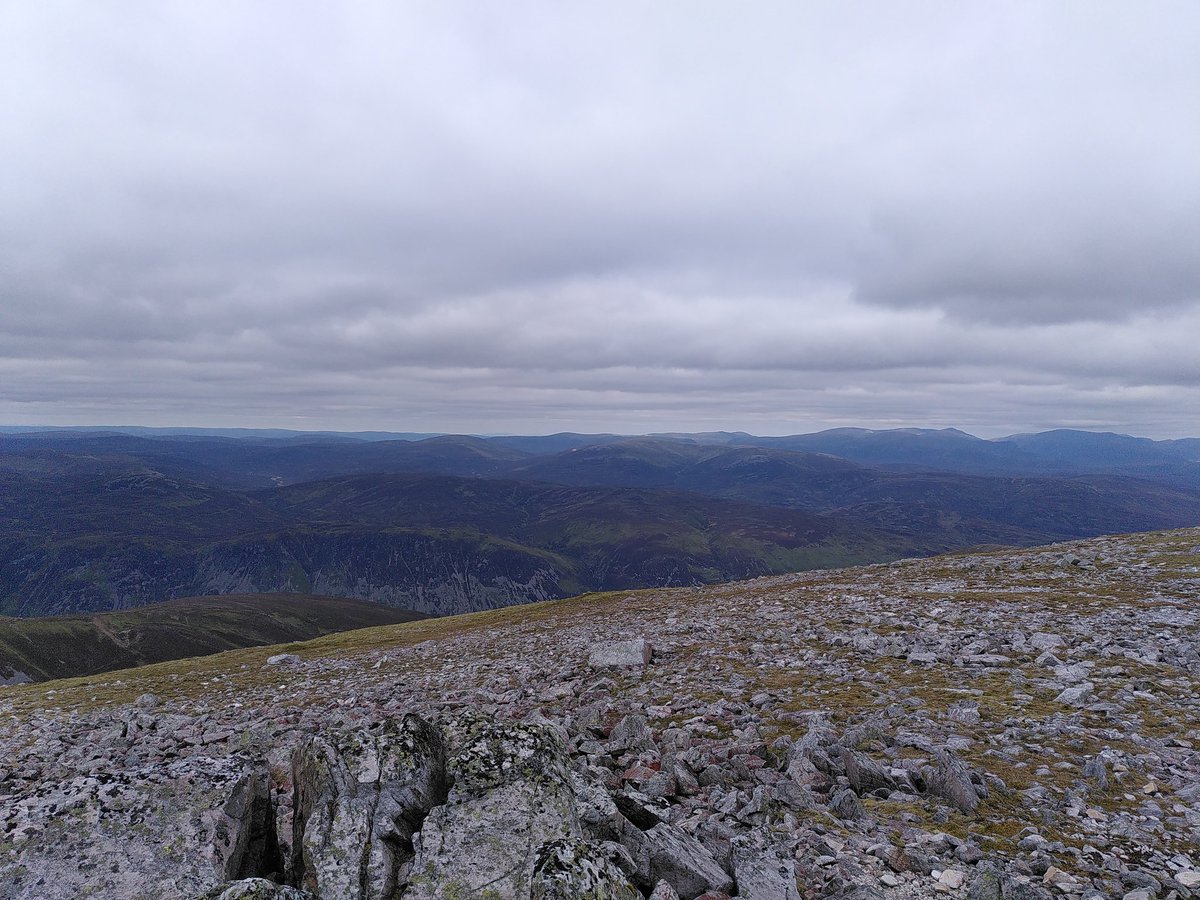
{"x":1076,"y":695}
{"x":952,"y":878}
{"x":621,"y":653}
{"x":664,"y":891}
{"x":1188,"y":879}
{"x":1043,"y":641}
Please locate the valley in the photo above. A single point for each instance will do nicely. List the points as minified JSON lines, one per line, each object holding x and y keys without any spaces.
{"x":97,"y":521}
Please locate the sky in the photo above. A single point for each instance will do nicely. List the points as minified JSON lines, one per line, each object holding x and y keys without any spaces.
{"x":531,"y":217}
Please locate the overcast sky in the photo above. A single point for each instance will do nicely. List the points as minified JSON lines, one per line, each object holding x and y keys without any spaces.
{"x":529,"y":217}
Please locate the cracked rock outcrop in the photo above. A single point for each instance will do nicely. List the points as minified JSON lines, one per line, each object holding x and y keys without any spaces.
{"x":360,"y":796}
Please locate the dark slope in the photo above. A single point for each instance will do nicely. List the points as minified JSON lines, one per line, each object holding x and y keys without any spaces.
{"x":256,"y":463}
{"x":120,"y":520}
{"x":260,"y":462}
{"x":94,"y":534}
{"x":941,"y":450}
{"x":62,"y":496}
{"x":1059,"y":452}
{"x":631,"y":462}
{"x":611,"y":537}
{"x":66,"y":646}
{"x":933,"y":508}
{"x":1086,"y":451}
{"x":540,"y":445}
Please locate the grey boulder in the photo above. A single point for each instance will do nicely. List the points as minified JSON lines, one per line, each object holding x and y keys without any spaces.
{"x":621,"y":654}
{"x":359,"y":798}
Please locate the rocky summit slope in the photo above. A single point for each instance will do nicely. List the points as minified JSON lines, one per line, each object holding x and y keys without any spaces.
{"x":1019,"y":724}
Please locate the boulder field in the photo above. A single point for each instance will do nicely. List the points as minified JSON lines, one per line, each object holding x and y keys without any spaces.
{"x":1013,"y":724}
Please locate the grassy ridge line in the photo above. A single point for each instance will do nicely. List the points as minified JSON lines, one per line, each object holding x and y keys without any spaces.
{"x":187,"y":678}
{"x":64,"y":646}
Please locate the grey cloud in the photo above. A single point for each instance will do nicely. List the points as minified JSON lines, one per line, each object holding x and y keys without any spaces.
{"x":693,"y":214}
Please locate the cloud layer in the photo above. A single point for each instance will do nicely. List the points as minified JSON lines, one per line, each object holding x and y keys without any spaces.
{"x":437,"y":216}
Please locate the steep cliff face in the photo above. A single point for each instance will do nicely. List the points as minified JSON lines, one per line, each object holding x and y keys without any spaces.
{"x":426,"y":573}
{"x":109,"y":537}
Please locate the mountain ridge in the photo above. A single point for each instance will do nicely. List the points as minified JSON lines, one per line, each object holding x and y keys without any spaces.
{"x":97,"y":522}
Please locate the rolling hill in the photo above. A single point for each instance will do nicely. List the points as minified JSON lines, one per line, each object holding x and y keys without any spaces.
{"x":94,"y":534}
{"x":67,"y":646}
{"x":95,"y":521}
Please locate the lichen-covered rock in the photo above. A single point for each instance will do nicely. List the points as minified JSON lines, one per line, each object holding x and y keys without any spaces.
{"x":846,"y":805}
{"x":952,"y":780}
{"x":577,"y":870}
{"x":682,"y":861}
{"x":511,"y":794}
{"x":172,"y":828}
{"x":359,"y":798}
{"x":985,"y":886}
{"x":866,"y":776}
{"x":763,"y":872}
{"x":1021,"y":890}
{"x":631,"y":733}
{"x":256,"y":889}
{"x":244,"y":839}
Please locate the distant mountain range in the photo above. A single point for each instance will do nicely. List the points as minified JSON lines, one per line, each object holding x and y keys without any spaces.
{"x":96,"y":519}
{"x":295,"y":454}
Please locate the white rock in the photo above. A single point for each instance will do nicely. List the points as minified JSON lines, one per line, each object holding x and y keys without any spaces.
{"x":952,"y":878}
{"x":621,"y":653}
{"x":283,"y":659}
{"x":1076,"y":695}
{"x":663,"y":891}
{"x":1043,"y":641}
{"x":1189,"y":879}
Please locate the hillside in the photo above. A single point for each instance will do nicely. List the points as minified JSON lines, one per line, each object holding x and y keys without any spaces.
{"x":66,"y":646}
{"x":453,"y":524}
{"x":945,"y":509}
{"x":96,"y":533}
{"x":1013,"y":724}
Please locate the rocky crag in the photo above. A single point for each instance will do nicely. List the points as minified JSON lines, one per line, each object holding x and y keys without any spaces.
{"x":1000,"y":725}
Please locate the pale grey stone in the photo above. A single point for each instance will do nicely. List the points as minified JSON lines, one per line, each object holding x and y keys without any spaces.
{"x":1077,"y":695}
{"x":621,"y":654}
{"x":682,"y":861}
